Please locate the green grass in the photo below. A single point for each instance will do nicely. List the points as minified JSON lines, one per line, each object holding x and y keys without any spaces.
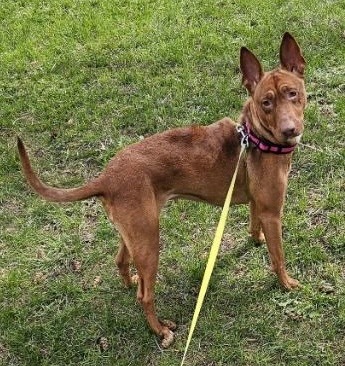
{"x":82,"y":79}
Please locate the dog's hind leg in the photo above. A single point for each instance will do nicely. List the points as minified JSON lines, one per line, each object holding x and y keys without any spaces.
{"x":139,"y":230}
{"x":143,"y":243}
{"x":123,"y":260}
{"x":146,"y":262}
{"x":123,"y":257}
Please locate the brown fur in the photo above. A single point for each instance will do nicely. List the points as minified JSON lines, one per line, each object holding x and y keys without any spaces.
{"x":197,"y":163}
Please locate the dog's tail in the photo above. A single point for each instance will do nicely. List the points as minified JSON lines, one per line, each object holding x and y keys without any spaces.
{"x":51,"y":193}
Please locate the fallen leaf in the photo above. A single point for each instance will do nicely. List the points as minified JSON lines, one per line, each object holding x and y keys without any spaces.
{"x":75,"y":266}
{"x":103,"y":344}
{"x":97,"y":281}
{"x":327,"y":288}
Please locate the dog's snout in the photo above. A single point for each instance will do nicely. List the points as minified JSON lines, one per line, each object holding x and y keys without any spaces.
{"x":290,"y":132}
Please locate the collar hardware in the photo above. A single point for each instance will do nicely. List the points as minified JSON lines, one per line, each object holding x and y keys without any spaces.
{"x":244,"y":135}
{"x":247,"y":135}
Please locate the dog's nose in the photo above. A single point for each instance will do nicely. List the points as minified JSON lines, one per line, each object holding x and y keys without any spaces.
{"x":290,"y":132}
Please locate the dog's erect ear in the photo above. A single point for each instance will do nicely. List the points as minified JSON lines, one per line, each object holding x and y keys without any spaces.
{"x":251,"y":69}
{"x":291,"y":58}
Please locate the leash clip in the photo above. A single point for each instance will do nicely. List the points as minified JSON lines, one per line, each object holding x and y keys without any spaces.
{"x":244,"y":136}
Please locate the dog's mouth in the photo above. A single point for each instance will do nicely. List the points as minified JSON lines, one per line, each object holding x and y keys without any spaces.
{"x":289,"y":141}
{"x":282,"y":139}
{"x":294,"y":140}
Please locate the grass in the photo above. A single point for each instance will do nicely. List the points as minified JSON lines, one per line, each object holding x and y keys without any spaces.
{"x":82,"y":79}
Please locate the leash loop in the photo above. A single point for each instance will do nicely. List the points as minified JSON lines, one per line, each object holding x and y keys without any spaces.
{"x":216,"y":243}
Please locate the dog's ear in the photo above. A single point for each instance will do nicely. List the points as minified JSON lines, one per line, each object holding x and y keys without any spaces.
{"x":291,"y":58}
{"x":251,"y":69}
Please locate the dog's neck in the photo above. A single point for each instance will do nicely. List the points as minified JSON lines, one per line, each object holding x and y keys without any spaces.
{"x":260,"y":142}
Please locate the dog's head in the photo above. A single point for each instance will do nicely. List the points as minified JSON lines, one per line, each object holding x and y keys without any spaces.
{"x":279,"y":96}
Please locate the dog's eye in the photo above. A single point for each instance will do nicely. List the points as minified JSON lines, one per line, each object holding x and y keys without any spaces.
{"x":292,"y":94}
{"x":266,"y":104}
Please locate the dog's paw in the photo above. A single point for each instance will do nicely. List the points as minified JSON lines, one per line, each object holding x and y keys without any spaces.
{"x":256,"y":237}
{"x":290,"y":283}
{"x":256,"y":242}
{"x":168,"y":338}
{"x":169,"y":324}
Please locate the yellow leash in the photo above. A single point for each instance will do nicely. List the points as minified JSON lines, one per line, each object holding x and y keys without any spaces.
{"x":215,"y":245}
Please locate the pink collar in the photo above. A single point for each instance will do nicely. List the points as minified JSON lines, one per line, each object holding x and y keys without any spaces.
{"x":264,"y":145}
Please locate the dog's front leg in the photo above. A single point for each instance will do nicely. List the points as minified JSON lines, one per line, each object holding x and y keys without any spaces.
{"x":272,"y":227}
{"x":255,"y":229}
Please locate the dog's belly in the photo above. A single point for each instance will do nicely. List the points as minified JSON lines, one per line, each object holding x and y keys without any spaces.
{"x":240,"y":196}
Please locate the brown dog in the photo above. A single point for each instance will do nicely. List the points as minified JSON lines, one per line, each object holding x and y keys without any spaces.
{"x":197,"y":163}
